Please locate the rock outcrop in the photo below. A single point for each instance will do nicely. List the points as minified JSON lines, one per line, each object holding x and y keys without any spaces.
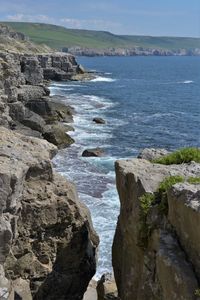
{"x":25,"y":104}
{"x":47,"y":241}
{"x":156,"y":244}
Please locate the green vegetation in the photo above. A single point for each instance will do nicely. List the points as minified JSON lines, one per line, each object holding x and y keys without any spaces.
{"x":194,"y":180}
{"x":148,"y":200}
{"x":197,"y":292}
{"x":59,"y":37}
{"x":184,"y":155}
{"x":161,"y":192}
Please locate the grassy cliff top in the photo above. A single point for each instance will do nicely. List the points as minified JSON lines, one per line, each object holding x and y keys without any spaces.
{"x":58,"y":37}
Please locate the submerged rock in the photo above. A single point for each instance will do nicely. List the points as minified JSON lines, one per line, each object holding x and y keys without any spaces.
{"x":93,"y":152}
{"x":99,"y":121}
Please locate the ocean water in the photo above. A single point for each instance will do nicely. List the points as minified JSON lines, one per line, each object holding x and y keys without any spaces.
{"x":146,"y":102}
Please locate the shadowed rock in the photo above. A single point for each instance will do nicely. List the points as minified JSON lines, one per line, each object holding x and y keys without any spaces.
{"x":93,"y":152}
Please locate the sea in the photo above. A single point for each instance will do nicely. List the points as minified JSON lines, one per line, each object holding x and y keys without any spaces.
{"x":146,"y":102}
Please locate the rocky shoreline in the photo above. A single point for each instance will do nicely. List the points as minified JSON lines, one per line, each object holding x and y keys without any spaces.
{"x":48,"y":247}
{"x":47,"y":241}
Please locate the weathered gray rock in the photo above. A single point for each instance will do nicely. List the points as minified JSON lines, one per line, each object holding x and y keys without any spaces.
{"x":93,"y":152}
{"x":163,"y":269}
{"x":52,"y":109}
{"x":152,"y":153}
{"x":175,"y":274}
{"x":32,"y":70}
{"x":56,"y":134}
{"x":184,"y":215}
{"x":27,"y":93}
{"x":48,"y":238}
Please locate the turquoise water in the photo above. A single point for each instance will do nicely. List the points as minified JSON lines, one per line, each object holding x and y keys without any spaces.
{"x":146,"y":102}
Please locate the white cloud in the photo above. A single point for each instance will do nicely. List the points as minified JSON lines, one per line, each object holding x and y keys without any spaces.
{"x":95,"y":24}
{"x":30,"y":18}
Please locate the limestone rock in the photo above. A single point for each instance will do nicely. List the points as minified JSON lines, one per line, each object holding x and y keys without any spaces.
{"x":56,"y":134}
{"x":32,"y":70}
{"x":184,"y":215}
{"x":141,"y":272}
{"x":93,"y":152}
{"x":47,"y":234}
{"x":52,"y":109}
{"x":152,"y":153}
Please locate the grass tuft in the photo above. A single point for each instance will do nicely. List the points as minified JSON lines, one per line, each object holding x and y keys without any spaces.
{"x":194,"y":180}
{"x":184,"y":155}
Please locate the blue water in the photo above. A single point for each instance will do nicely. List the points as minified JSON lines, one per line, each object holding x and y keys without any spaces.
{"x":146,"y":102}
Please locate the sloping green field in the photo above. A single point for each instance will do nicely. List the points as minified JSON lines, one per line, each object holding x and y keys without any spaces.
{"x":58,"y":37}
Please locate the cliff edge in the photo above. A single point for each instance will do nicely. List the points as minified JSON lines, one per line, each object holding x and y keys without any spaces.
{"x":156,"y":244}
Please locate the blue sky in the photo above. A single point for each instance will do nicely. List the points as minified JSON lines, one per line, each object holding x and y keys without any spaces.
{"x":146,"y":17}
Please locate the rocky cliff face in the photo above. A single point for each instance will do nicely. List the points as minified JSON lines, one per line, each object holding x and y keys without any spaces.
{"x":47,"y":242}
{"x":156,"y":244}
{"x":25,"y":104}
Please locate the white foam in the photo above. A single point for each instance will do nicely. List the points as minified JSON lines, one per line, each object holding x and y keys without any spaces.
{"x":186,"y":81}
{"x":103,"y":79}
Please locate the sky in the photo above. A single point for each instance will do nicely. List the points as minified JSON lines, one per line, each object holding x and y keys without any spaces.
{"x":141,"y":17}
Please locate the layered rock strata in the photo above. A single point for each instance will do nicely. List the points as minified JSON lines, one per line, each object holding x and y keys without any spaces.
{"x":166,"y":265}
{"x":47,"y":240}
{"x":25,"y":104}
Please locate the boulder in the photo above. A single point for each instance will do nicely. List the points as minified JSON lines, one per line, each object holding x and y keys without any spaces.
{"x":52,"y":109}
{"x":106,"y":288}
{"x":93,"y":152}
{"x":56,"y":134}
{"x":99,"y":121}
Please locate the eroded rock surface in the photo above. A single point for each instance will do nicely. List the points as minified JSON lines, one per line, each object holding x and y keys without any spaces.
{"x":47,"y":240}
{"x":167,"y":265}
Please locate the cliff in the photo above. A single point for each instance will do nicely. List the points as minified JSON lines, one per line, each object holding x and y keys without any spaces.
{"x":156,"y":243}
{"x":47,"y":242}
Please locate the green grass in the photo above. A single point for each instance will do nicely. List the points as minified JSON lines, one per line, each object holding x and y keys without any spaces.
{"x":148,"y":200}
{"x":194,"y":180}
{"x":181,"y":156}
{"x":59,"y":37}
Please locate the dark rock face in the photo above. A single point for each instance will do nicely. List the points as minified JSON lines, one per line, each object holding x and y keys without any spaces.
{"x":156,"y":257}
{"x":48,"y":237}
{"x":93,"y":152}
{"x":99,"y":121}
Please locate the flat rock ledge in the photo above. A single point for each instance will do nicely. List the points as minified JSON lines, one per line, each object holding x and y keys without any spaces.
{"x":47,"y":242}
{"x":168,"y":265}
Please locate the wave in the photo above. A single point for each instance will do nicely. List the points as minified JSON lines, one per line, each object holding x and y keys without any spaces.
{"x":103,"y":79}
{"x":186,"y":81}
